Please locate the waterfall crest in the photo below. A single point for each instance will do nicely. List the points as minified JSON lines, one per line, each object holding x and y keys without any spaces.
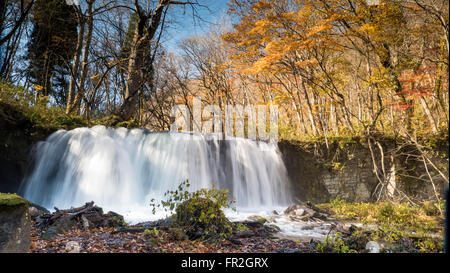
{"x":121,"y":169}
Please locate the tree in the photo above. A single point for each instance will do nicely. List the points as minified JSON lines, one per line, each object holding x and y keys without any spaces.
{"x":51,"y":47}
{"x":24,"y":8}
{"x":148,"y":23}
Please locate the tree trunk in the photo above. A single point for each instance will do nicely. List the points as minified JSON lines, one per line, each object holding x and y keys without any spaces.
{"x":142,"y":37}
{"x":75,"y":67}
{"x":85,"y":62}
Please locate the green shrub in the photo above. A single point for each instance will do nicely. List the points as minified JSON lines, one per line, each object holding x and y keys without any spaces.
{"x":199,"y":211}
{"x":335,"y":244}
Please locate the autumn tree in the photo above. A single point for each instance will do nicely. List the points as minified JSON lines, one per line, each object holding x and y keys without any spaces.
{"x":339,"y":64}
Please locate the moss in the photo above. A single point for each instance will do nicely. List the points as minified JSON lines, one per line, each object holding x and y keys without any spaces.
{"x":8,"y":199}
{"x":392,"y":216}
{"x":258,"y":218}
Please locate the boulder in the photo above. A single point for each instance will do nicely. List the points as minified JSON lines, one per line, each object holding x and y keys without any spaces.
{"x":60,"y":226}
{"x":272,"y":228}
{"x":299,"y":210}
{"x":34,"y":212}
{"x":15,"y":224}
{"x":304,"y":212}
{"x":114,"y":220}
{"x":257,"y":218}
{"x":244,"y":234}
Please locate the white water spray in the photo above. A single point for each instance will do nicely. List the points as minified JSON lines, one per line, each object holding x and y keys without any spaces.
{"x":122,"y":170}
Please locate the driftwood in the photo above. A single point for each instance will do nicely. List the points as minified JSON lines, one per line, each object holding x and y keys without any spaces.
{"x":86,"y":217}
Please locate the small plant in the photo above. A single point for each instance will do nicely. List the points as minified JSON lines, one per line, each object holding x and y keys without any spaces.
{"x":151,"y":233}
{"x":200,"y":211}
{"x":335,"y":244}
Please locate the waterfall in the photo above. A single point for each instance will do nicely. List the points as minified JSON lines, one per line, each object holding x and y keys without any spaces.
{"x":123,"y":169}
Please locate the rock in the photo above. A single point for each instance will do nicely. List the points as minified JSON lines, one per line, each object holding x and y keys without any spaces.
{"x":234,"y":241}
{"x":287,"y":250}
{"x":244,"y":234}
{"x":115,"y":220}
{"x":299,"y":212}
{"x":271,"y":228}
{"x":41,"y":209}
{"x":60,"y":226}
{"x":342,"y":228}
{"x":275,"y":212}
{"x":373,"y":247}
{"x":257,"y":218}
{"x":33,"y":212}
{"x":290,"y":209}
{"x":73,"y":247}
{"x":297,"y":218}
{"x":15,"y":224}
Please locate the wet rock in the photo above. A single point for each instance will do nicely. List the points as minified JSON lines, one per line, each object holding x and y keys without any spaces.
{"x":41,"y":209}
{"x":303,"y":212}
{"x":33,"y":212}
{"x":299,"y":210}
{"x":15,"y":224}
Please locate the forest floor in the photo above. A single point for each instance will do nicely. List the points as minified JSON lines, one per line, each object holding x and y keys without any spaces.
{"x":108,"y":240}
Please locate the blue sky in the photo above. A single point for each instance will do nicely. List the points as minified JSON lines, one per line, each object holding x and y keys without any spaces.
{"x":186,"y":26}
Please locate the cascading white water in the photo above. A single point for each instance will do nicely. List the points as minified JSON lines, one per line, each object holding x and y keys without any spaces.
{"x":122,"y":170}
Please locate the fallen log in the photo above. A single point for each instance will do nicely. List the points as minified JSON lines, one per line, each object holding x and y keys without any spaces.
{"x":85,"y":217}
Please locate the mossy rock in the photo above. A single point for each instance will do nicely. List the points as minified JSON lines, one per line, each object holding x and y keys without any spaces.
{"x":115,"y":219}
{"x":15,"y":224}
{"x":257,"y":218}
{"x":62,"y":225}
{"x":12,"y":199}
